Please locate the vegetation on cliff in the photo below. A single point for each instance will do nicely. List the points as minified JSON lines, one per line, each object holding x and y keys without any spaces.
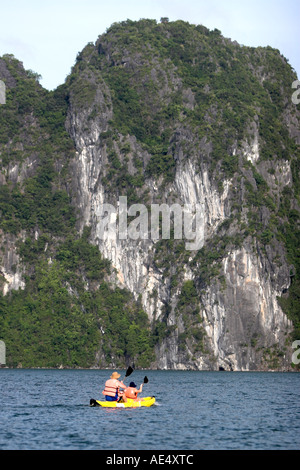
{"x":161,"y":80}
{"x":68,"y":309}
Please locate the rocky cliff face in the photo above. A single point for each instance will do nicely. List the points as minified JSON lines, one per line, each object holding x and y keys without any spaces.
{"x":240,"y":323}
{"x":152,"y":120}
{"x":242,"y":318}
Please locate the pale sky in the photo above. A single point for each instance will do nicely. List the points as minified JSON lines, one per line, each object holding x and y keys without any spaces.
{"x":46,"y":35}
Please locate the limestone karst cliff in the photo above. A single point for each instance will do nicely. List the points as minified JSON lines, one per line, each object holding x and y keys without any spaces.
{"x":172,"y":114}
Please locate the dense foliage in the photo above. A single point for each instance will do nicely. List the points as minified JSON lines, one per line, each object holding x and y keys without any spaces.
{"x":68,"y":311}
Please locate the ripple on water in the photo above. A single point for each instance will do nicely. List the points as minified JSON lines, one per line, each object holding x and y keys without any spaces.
{"x":50,"y":410}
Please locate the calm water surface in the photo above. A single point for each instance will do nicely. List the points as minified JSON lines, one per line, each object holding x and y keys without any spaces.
{"x":49,"y":409}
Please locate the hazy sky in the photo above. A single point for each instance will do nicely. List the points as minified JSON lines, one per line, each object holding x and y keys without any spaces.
{"x":46,"y":35}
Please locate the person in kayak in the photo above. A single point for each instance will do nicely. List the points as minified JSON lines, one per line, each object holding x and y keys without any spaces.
{"x":132,"y":392}
{"x":112,"y":388}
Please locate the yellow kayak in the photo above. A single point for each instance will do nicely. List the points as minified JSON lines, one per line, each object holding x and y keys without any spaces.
{"x":146,"y":401}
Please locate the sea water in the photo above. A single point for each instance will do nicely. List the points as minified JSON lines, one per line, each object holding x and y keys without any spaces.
{"x":49,"y":410}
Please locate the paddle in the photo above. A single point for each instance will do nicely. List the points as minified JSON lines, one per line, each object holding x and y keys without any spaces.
{"x":145,"y":382}
{"x":129,"y":372}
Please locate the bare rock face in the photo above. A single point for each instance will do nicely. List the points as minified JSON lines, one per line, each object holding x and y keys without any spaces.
{"x":246,"y":316}
{"x":11,"y":269}
{"x":243,"y":325}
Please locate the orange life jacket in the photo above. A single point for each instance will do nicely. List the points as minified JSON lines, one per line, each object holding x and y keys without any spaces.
{"x":111,"y":387}
{"x":131,"y":392}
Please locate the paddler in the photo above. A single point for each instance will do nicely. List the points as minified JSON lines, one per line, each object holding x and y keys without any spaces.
{"x":132,"y":392}
{"x":112,"y":387}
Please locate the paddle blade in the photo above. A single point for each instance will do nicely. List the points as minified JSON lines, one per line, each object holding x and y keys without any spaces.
{"x":129,"y":371}
{"x":146,"y":380}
